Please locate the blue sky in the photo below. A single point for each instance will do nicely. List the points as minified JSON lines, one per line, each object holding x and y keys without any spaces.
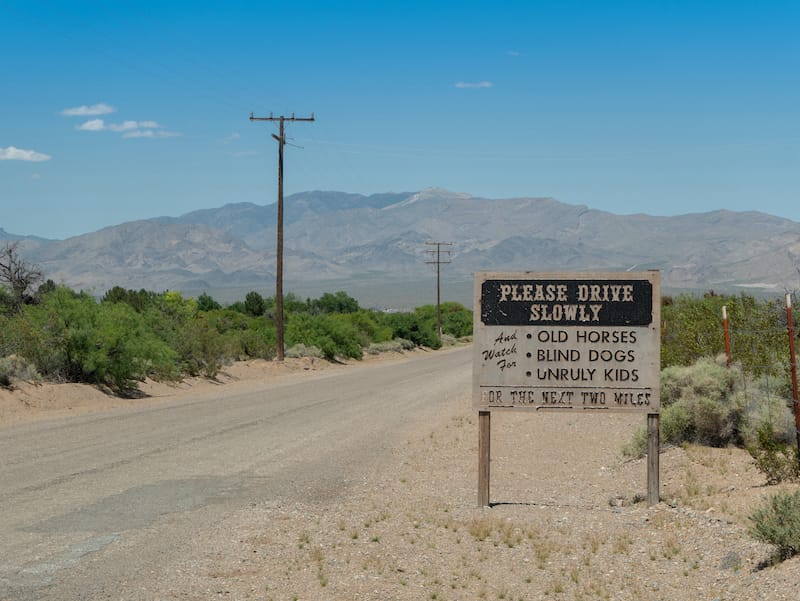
{"x":114,"y":111}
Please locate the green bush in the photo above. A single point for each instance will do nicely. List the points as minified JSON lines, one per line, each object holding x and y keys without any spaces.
{"x":107,"y":343}
{"x":777,"y":522}
{"x":456,"y":320}
{"x":334,"y":334}
{"x":699,"y":404}
{"x":419,"y":327}
{"x":206,"y":302}
{"x":340,"y":302}
{"x":777,"y":460}
{"x":767,"y":405}
{"x":132,"y":334}
{"x":676,"y":424}
{"x":201,"y":349}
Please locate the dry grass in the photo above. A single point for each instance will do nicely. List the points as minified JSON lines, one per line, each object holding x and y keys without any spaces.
{"x":414,"y":531}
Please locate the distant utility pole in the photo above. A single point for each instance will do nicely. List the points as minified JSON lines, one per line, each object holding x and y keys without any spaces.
{"x":436,"y":259}
{"x":281,"y":138}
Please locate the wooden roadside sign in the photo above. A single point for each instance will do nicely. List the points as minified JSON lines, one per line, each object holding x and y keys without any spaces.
{"x":586,"y":342}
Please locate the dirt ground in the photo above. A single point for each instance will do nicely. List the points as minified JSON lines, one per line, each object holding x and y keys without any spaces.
{"x":566,"y":522}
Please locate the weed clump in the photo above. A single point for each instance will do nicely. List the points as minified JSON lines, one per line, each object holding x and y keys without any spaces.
{"x":777,"y":522}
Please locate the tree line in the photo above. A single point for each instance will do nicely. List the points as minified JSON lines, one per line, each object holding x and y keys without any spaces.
{"x":129,"y":335}
{"x":53,"y":332}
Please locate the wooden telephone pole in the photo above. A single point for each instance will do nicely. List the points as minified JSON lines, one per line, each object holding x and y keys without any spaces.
{"x":436,"y":259}
{"x":281,"y":139}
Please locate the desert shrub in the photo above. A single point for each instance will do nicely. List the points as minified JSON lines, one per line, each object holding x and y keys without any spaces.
{"x":406,"y":345}
{"x":705,"y":378}
{"x":227,"y":320}
{"x":637,"y":446}
{"x":706,"y":409}
{"x":456,"y":320}
{"x":300,"y":350}
{"x":768,"y":402}
{"x":334,"y":335}
{"x":107,"y":343}
{"x":777,"y":522}
{"x":776,"y":459}
{"x":676,"y":424}
{"x":390,"y":346}
{"x":339,"y":302}
{"x":419,"y":327}
{"x":367,"y":323}
{"x":258,"y":343}
{"x":448,"y":340}
{"x":701,"y":404}
{"x":201,"y":349}
{"x":15,"y":369}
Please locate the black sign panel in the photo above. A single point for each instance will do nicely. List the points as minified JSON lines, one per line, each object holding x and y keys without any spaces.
{"x":509,"y":302}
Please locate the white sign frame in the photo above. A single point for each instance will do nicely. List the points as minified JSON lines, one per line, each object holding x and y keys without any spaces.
{"x":567,"y":341}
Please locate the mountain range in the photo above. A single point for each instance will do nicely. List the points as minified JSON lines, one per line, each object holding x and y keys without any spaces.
{"x":377,"y":244}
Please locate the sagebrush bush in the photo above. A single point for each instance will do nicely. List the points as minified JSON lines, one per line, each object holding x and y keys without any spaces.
{"x":776,"y":459}
{"x":708,"y":403}
{"x":703,"y":379}
{"x":767,"y":405}
{"x":17,"y":369}
{"x":392,"y":346}
{"x":777,"y":522}
{"x":300,"y":350}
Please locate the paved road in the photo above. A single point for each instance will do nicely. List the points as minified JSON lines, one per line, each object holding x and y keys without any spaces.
{"x":92,"y":505}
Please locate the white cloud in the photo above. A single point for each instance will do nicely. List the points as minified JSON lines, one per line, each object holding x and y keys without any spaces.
{"x":151,"y":133}
{"x":514,"y":53}
{"x":234,"y":136}
{"x":17,"y":154}
{"x":89,"y":111}
{"x":124,"y":126}
{"x":128,"y":128}
{"x":473,"y":85}
{"x":92,"y":125}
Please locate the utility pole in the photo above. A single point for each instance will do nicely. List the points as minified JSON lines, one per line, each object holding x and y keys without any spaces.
{"x":281,"y":139}
{"x":793,"y":368}
{"x":436,"y":259}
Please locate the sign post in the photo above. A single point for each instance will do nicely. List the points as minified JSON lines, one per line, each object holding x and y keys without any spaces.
{"x":554,"y":342}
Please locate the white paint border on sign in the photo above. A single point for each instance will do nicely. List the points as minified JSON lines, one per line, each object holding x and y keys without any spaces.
{"x":578,"y":333}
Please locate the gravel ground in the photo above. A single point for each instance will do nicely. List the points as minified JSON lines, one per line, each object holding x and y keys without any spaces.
{"x":565,"y":524}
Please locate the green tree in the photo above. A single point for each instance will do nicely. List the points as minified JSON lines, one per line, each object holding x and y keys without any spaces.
{"x":339,"y":302}
{"x":206,"y":303}
{"x":254,"y":304}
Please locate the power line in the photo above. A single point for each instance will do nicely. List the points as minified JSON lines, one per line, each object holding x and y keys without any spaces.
{"x":436,"y":259}
{"x":281,"y":139}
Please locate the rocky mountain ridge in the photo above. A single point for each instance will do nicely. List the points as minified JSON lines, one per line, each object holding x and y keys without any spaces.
{"x":333,"y":237}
